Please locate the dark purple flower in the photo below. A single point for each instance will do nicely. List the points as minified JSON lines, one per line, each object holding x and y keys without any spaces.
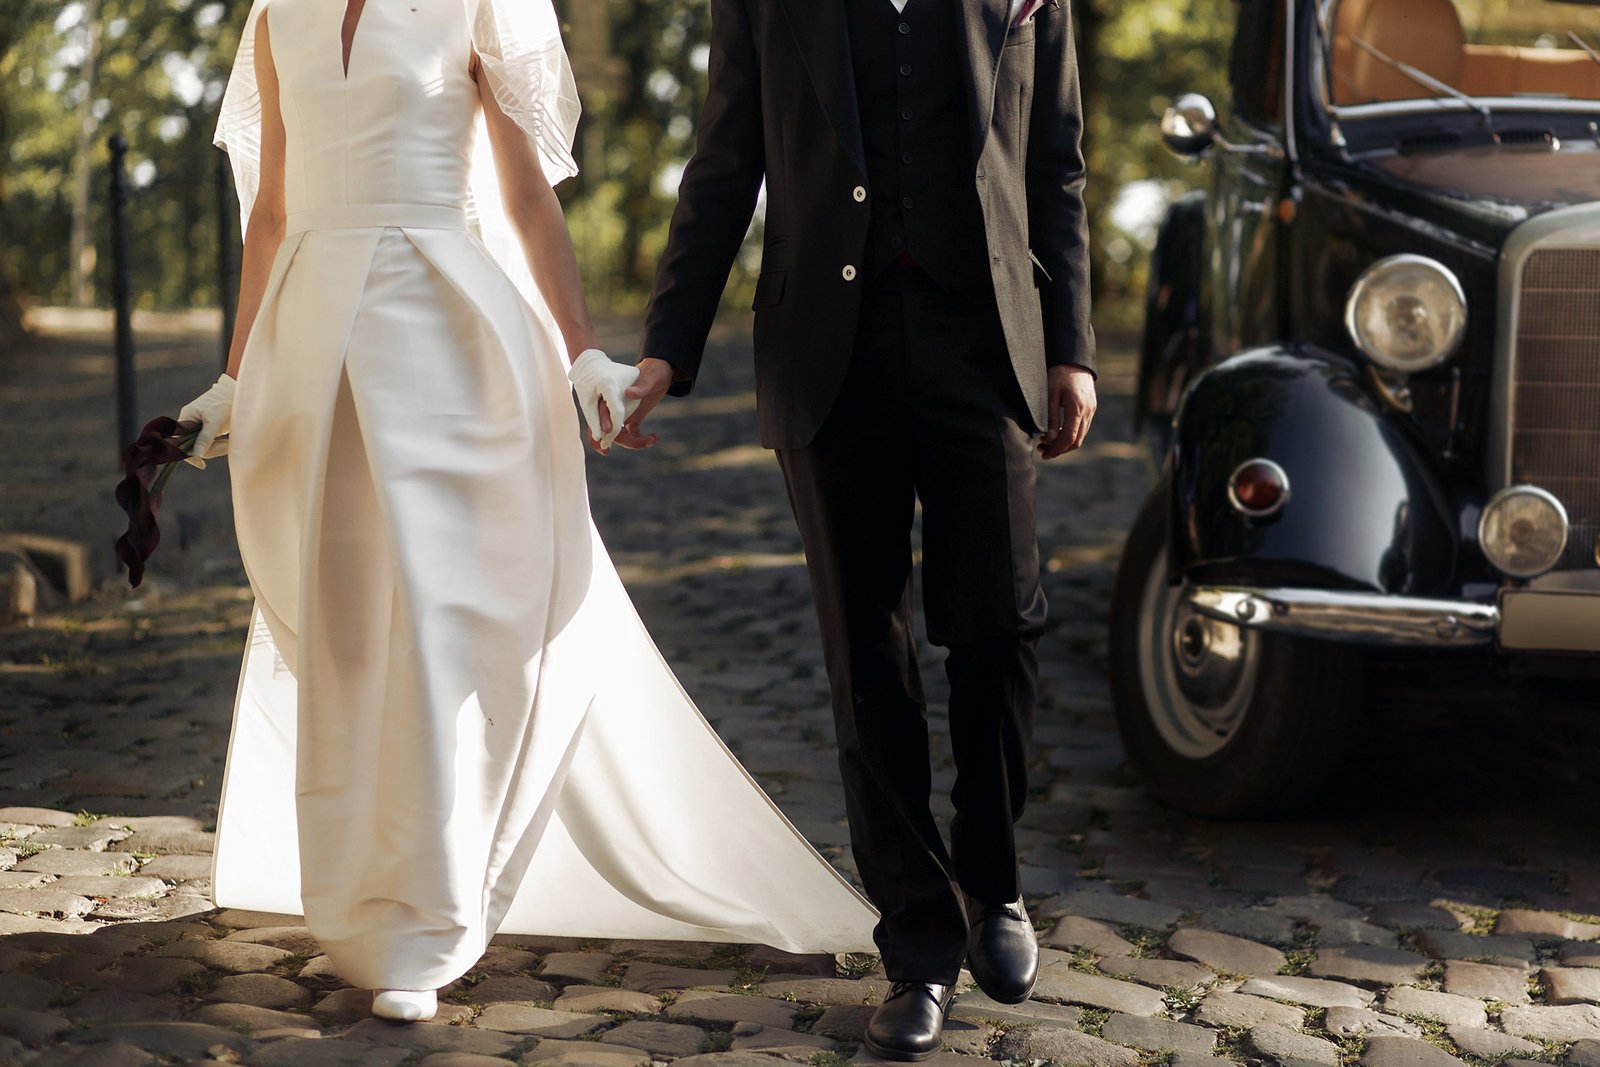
{"x":147,"y":464}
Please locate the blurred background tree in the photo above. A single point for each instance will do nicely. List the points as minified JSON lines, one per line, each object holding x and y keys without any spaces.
{"x":72,"y":73}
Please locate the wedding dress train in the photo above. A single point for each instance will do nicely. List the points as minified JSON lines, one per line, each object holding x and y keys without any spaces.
{"x":446,"y":691}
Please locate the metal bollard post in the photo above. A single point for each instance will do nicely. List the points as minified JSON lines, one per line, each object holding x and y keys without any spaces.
{"x":121,"y":294}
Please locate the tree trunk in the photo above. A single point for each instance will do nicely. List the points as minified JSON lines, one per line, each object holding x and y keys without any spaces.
{"x":82,"y":255}
{"x":10,"y":314}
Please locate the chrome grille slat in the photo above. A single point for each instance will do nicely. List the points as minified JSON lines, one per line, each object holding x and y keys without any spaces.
{"x":1555,"y":409}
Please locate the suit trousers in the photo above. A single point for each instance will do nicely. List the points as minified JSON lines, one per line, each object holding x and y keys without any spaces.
{"x":930,"y":412}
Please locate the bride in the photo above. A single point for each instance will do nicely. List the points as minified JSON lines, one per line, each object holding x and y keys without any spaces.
{"x":446,"y":690}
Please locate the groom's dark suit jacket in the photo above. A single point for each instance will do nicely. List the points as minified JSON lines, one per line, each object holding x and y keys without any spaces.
{"x":783,"y":107}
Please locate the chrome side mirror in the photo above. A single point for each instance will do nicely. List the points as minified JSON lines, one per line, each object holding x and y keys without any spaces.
{"x":1190,"y":126}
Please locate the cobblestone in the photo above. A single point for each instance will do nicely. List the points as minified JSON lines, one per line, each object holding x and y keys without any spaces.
{"x":313,"y":1052}
{"x":260,"y":990}
{"x":602,"y":998}
{"x":1063,"y":1046}
{"x":107,"y":1054}
{"x":1406,"y":858}
{"x":1571,"y":1022}
{"x":1448,"y":1008}
{"x":1368,"y":964}
{"x":1540,"y":925}
{"x":1074,"y":931}
{"x":707,"y":1007}
{"x":542,"y":1022}
{"x":1570,"y":985}
{"x":1349,"y":1022}
{"x":1224,"y":1009}
{"x":1290,"y":1048}
{"x":1158,"y":1034}
{"x":1455,"y":945}
{"x":662,"y":1039}
{"x":1485,"y":981}
{"x":1225,"y":953}
{"x":1064,"y":984}
{"x":1490,"y":1044}
{"x":435,"y":1037}
{"x":1168,"y":974}
{"x":1404,"y":1052}
{"x":1317,"y":992}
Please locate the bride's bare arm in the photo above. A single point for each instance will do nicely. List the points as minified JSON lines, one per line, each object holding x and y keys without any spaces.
{"x":264,"y":233}
{"x":539,"y":221}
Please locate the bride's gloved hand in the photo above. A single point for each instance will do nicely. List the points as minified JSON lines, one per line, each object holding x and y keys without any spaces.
{"x":213,"y":410}
{"x":595,"y":377}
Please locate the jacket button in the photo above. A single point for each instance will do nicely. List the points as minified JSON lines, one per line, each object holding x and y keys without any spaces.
{"x":860,"y":193}
{"x":849,"y":273}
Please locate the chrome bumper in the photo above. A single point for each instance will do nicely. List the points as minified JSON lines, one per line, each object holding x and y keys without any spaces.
{"x":1359,"y":618}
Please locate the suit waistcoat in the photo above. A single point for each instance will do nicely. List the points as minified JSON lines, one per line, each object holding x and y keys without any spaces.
{"x":920,"y":171}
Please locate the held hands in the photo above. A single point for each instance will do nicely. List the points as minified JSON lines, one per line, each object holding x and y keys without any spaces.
{"x":600,"y":385}
{"x":655,"y":376}
{"x":213,"y":410}
{"x":1072,"y":407}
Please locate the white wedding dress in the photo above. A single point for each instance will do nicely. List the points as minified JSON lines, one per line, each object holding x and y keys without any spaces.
{"x":446,"y":689}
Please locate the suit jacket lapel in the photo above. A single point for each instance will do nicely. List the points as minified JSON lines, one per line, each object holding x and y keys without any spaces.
{"x":823,"y":34}
{"x":985,"y":26}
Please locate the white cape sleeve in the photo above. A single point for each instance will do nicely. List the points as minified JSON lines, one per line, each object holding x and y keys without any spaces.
{"x":519,"y":47}
{"x":239,"y":123}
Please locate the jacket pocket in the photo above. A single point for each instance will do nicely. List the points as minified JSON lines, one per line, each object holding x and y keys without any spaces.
{"x":769,"y":288}
{"x":1021,"y":35}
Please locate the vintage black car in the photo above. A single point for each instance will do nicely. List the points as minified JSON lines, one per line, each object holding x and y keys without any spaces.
{"x":1371,"y":372}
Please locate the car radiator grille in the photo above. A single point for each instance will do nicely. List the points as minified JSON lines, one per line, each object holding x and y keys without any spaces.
{"x":1555,"y":432}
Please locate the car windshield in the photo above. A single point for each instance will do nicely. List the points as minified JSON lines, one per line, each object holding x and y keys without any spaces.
{"x":1394,"y":50}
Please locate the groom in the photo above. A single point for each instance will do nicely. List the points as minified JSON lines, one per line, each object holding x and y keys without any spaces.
{"x":922,"y":326}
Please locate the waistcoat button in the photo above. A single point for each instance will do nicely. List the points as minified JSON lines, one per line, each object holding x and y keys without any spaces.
{"x":860,"y":193}
{"x":849,"y":273}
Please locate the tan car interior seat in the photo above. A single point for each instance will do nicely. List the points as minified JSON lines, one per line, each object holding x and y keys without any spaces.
{"x":1428,"y":35}
{"x":1496,"y":70}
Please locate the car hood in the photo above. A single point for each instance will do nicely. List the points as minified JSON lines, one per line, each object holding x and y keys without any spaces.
{"x":1481,"y":194}
{"x":1538,"y":177}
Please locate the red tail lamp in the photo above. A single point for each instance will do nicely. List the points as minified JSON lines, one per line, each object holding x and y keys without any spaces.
{"x":1258,"y":489}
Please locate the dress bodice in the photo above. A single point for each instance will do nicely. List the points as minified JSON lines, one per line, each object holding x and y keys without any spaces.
{"x":399,"y":127}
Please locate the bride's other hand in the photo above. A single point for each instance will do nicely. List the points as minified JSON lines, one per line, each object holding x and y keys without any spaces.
{"x":600,"y":384}
{"x":213,"y":410}
{"x":655,"y":376}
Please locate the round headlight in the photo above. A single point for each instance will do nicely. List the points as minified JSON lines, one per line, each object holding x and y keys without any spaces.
{"x":1523,"y":531}
{"x":1407,"y":313}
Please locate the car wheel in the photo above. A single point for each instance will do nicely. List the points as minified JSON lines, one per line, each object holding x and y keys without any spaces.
{"x":1219,"y":720}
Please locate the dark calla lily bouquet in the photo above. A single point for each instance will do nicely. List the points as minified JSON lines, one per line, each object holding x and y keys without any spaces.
{"x":146,"y":465}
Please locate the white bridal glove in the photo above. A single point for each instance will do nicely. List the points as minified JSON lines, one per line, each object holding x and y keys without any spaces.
{"x":595,"y":377}
{"x":213,"y":410}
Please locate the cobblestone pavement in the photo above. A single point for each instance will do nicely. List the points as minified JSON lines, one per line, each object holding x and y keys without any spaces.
{"x":1440,"y":905}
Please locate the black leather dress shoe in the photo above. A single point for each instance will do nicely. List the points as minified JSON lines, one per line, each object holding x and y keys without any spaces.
{"x":1002,"y":953}
{"x":909,"y":1024}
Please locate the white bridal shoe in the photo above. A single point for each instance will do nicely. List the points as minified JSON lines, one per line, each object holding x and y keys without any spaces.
{"x":405,"y":1005}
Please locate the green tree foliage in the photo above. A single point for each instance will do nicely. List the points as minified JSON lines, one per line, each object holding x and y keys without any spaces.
{"x":159,"y":81}
{"x":1137,"y":58}
{"x":163,"y":65}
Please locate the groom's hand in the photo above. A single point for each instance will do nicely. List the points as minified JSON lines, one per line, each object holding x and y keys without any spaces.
{"x":655,"y":375}
{"x":1072,"y":407}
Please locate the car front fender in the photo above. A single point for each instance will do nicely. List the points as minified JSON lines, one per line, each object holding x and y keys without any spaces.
{"x":1368,"y":507}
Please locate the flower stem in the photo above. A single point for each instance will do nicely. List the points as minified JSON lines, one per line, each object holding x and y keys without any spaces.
{"x":186,"y":443}
{"x":161,"y":479}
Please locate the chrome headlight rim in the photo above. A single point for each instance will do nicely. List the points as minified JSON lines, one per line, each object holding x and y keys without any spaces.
{"x":1547,"y":497}
{"x":1377,"y":273}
